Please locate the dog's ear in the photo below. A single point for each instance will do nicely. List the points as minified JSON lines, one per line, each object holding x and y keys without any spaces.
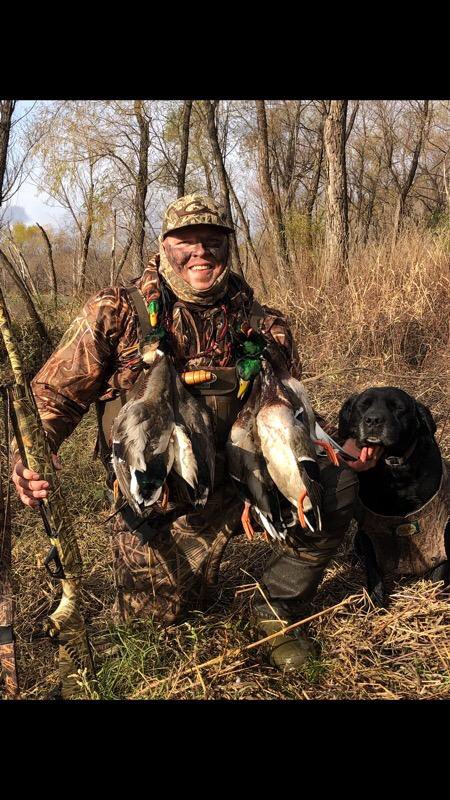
{"x":344,"y":424}
{"x":425,"y":418}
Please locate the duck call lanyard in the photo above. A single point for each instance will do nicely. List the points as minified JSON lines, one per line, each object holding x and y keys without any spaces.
{"x":243,"y":345}
{"x":152,"y":331}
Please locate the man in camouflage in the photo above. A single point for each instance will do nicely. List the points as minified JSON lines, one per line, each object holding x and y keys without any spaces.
{"x":158,"y":571}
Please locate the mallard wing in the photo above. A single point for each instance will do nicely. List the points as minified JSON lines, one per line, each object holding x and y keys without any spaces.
{"x":196,"y":444}
{"x":294,"y":389}
{"x":303,"y":403}
{"x":185,"y":461}
{"x":309,"y":473}
{"x":123,"y":475}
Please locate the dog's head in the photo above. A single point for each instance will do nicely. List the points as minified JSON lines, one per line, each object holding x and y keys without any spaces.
{"x":386,"y":416}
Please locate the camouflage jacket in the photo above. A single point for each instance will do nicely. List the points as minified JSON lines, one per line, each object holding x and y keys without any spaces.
{"x":98,"y":356}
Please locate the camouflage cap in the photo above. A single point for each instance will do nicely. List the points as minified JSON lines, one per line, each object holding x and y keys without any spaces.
{"x":193,"y":209}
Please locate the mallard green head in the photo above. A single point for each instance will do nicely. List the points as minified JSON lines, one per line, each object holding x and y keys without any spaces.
{"x":153,"y":344}
{"x":155,"y":335}
{"x":254,"y":345}
{"x":247,"y":369}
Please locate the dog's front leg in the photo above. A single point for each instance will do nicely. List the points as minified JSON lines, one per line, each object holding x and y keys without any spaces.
{"x":366,"y":554}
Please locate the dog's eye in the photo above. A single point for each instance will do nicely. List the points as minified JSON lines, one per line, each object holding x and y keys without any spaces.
{"x":396,"y":408}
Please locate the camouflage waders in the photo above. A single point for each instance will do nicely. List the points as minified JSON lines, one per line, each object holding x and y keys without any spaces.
{"x":294,"y":573}
{"x":181,"y":562}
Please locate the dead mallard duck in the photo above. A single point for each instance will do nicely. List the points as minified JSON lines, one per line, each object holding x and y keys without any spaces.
{"x":162,"y":427}
{"x":289,"y":451}
{"x":297,"y":395}
{"x":142,"y":438}
{"x":248,"y":469}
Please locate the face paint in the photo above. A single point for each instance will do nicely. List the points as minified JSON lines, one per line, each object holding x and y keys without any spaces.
{"x":198,"y":254}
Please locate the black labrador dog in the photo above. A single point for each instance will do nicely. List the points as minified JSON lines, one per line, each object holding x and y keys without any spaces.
{"x":406,"y":485}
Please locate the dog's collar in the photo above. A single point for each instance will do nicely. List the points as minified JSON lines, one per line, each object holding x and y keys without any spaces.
{"x":400,"y":461}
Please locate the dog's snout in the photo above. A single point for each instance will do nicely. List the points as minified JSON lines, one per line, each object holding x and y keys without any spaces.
{"x":374,"y":419}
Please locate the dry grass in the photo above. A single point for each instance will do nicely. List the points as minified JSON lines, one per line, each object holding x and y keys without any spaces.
{"x":389,"y":325}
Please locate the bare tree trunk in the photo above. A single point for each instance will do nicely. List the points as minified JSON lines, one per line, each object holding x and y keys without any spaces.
{"x":404,"y":190}
{"x":337,"y":207}
{"x":369,"y":215}
{"x":352,"y":120}
{"x":51,"y":266}
{"x":371,"y":203}
{"x":81,"y":266}
{"x":123,"y":258}
{"x":141,"y":188}
{"x":26,"y":296}
{"x":446,"y":188}
{"x":289,"y":183}
{"x":206,"y":170}
{"x":24,"y":270}
{"x":312,"y":197}
{"x":187,"y":108}
{"x":313,"y":188}
{"x":223,"y":182}
{"x":272,"y":203}
{"x":85,"y":236}
{"x":112,"y":267}
{"x":6,"y":112}
{"x":250,"y":248}
{"x":359,"y":203}
{"x":74,"y":268}
{"x":360,"y":185}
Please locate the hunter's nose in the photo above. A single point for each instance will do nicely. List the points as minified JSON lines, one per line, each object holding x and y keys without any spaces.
{"x":373,"y":419}
{"x":199,"y":249}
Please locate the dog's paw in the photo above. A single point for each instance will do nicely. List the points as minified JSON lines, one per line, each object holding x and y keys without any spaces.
{"x":441,"y":573}
{"x":378,"y":596}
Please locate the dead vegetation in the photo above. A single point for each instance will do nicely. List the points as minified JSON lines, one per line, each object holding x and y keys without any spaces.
{"x":388,"y":326}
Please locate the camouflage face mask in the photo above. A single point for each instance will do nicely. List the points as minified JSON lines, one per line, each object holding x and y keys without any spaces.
{"x":184,"y":291}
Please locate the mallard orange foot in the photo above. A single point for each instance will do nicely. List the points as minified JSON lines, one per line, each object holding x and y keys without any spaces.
{"x":301,"y":513}
{"x":246,"y":523}
{"x":328,"y":449}
{"x":165,"y":497}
